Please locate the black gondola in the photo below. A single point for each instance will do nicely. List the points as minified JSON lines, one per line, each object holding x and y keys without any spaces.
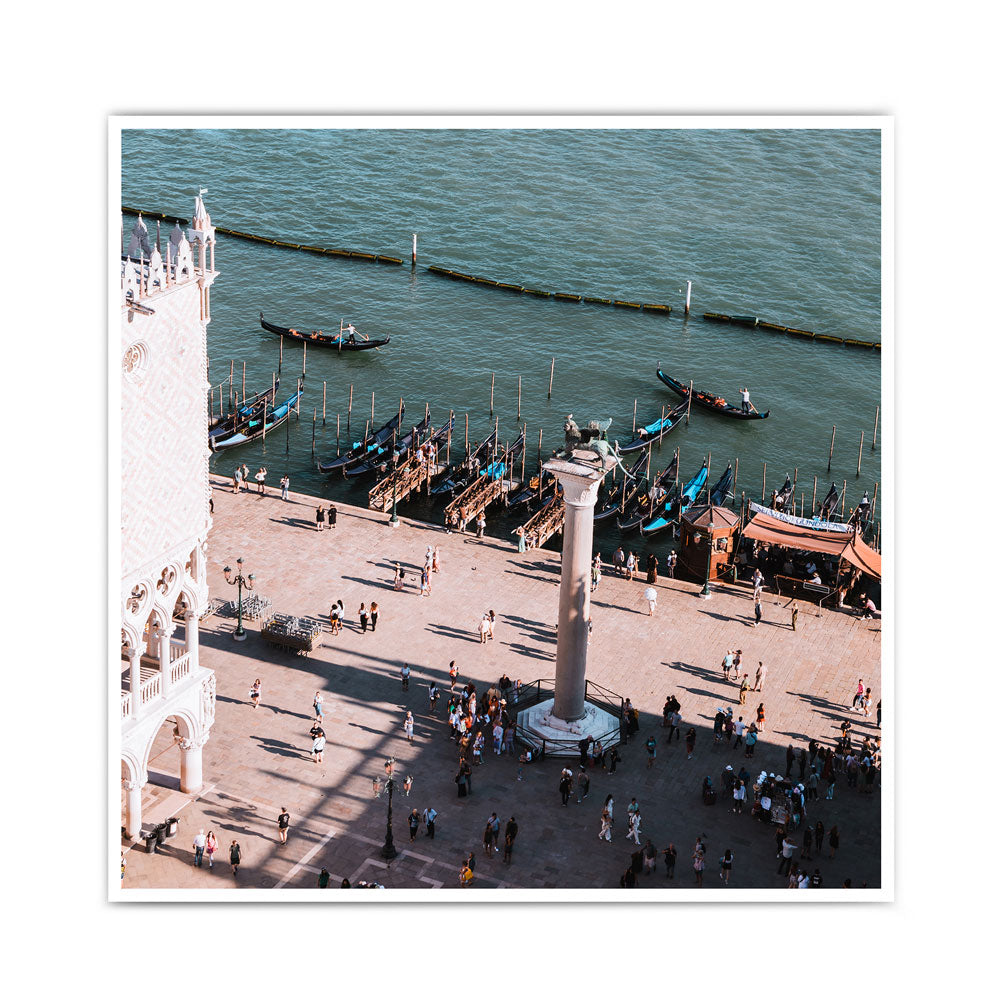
{"x":531,"y":491}
{"x":781,"y":497}
{"x":829,"y":505}
{"x":621,"y":495}
{"x":388,"y":453}
{"x":247,"y":410}
{"x":644,"y":506}
{"x":457,"y":477}
{"x":360,"y":449}
{"x":651,"y":432}
{"x":708,"y":400}
{"x":862,"y":513}
{"x":350,"y":342}
{"x":720,"y":491}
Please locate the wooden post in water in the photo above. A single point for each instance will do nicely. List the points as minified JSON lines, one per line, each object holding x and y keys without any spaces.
{"x":427,"y":410}
{"x":273,"y":388}
{"x":493,"y":381}
{"x":659,"y":443}
{"x":763,"y":484}
{"x":814,"y":494}
{"x":314,"y":433}
{"x":843,"y":500}
{"x":875,"y":429}
{"x":690,"y":397}
{"x":324,"y":403}
{"x":338,"y":435}
{"x":350,"y":403}
{"x":736,"y":475}
{"x":552,"y":371}
{"x":466,"y":436}
{"x":860,"y":446}
{"x":281,"y":351}
{"x":413,"y":256}
{"x":263,"y":425}
{"x":524,"y":456}
{"x":447,"y":447}
{"x":539,"y":461}
{"x":687,"y":301}
{"x":243,"y":392}
{"x":304,"y":345}
{"x":518,"y":398}
{"x":373,"y":408}
{"x":832,"y":439}
{"x":635,"y":410}
{"x":231,"y":363}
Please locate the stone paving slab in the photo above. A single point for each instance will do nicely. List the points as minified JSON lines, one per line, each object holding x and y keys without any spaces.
{"x":258,"y":760}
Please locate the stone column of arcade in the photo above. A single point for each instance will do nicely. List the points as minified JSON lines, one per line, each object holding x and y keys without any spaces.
{"x":568,"y":717}
{"x":191,"y":779}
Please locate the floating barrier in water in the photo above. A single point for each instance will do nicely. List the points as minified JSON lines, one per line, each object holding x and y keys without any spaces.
{"x":828,"y":338}
{"x":567,"y":297}
{"x":155,"y":215}
{"x":656,"y":307}
{"x":622,"y":304}
{"x":593,"y":300}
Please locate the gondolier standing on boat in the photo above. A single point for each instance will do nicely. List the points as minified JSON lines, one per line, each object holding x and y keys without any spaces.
{"x":745,"y":397}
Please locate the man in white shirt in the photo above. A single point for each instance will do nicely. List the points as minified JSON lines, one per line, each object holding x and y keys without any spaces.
{"x":787,"y":849}
{"x":199,"y":847}
{"x":745,"y":398}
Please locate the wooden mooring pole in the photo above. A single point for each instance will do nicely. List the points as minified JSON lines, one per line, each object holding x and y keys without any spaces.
{"x":231,"y":363}
{"x":338,"y":435}
{"x":304,"y":346}
{"x":635,"y":410}
{"x":736,"y":476}
{"x":243,"y":391}
{"x":815,"y":480}
{"x":314,"y":433}
{"x":690,"y":397}
{"x":833,"y":437}
{"x":373,"y":408}
{"x":518,"y":398}
{"x":350,"y":403}
{"x":466,"y":436}
{"x":860,"y":447}
{"x":763,"y":484}
{"x":281,"y":352}
{"x":324,"y":404}
{"x":552,"y":371}
{"x":663,"y":413}
{"x":875,"y":429}
{"x":493,"y":382}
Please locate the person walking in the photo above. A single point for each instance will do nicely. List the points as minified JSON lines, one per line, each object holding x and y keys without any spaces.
{"x":595,"y":573}
{"x":397,"y":579}
{"x":649,"y":857}
{"x":319,"y":745}
{"x":605,"y":833}
{"x":235,"y":857}
{"x":582,"y":785}
{"x":199,"y":847}
{"x":858,"y":695}
{"x":331,"y":516}
{"x":336,"y":617}
{"x":726,"y":866}
{"x":758,"y":684}
{"x":484,"y":629}
{"x":404,"y":676}
{"x":739,"y":797}
{"x":669,"y":860}
{"x":432,"y":698}
{"x":650,"y":752}
{"x":255,"y":693}
{"x":634,"y":820}
{"x":429,"y":816}
{"x":452,"y":674}
{"x":211,"y":846}
{"x":834,"y":840}
{"x":413,"y":821}
{"x":699,"y":868}
{"x":509,"y":834}
{"x":491,"y":834}
{"x":363,"y":617}
{"x":425,"y":582}
{"x":318,"y":705}
{"x":284,"y":481}
{"x":408,"y":726}
{"x":651,"y":564}
{"x":630,"y":566}
{"x":738,"y":727}
{"x":283,"y":820}
{"x":751,"y":741}
{"x":319,"y":518}
{"x":758,"y":611}
{"x":565,"y":785}
{"x":373,"y":615}
{"x":795,"y":615}
{"x":787,"y":850}
{"x":760,"y":717}
{"x":689,"y":742}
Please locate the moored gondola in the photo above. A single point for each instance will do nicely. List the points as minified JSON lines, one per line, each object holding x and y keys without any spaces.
{"x":719,"y":494}
{"x":532,"y":491}
{"x":780,"y":497}
{"x":674,"y":508}
{"x":651,"y":432}
{"x":829,"y":505}
{"x":621,"y":495}
{"x":648,"y":504}
{"x":388,"y":454}
{"x":708,"y":400}
{"x":360,"y":449}
{"x":258,"y":427}
{"x":342,"y":341}
{"x":249,"y":408}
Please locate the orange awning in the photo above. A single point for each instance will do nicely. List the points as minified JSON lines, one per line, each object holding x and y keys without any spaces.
{"x":842,"y":545}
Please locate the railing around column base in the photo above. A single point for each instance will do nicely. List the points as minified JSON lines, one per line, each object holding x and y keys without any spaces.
{"x":541,"y":690}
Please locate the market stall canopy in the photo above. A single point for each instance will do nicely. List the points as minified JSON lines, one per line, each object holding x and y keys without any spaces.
{"x":843,"y":545}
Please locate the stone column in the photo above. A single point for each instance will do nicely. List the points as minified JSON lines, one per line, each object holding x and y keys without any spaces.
{"x":191,"y":780}
{"x":163,"y":637}
{"x":580,"y":485}
{"x":191,"y":637}
{"x":134,"y":679}
{"x":133,"y":808}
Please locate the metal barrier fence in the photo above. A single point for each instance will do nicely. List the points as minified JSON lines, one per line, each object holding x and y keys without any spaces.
{"x":544,"y":689}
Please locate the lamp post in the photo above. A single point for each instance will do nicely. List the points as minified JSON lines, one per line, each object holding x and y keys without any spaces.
{"x":239,"y":582}
{"x":394,"y":520}
{"x":388,"y":848}
{"x":706,"y":590}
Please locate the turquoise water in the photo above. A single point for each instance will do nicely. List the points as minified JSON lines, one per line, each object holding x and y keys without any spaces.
{"x":784,"y":225}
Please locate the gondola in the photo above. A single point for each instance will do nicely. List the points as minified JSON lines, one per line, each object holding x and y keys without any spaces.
{"x":360,"y":449}
{"x":719,"y":493}
{"x":708,"y":400}
{"x":642,"y":507}
{"x":530,"y":491}
{"x":245,"y":411}
{"x":258,"y":428}
{"x":780,"y":498}
{"x":862,"y":513}
{"x":829,"y":505}
{"x":651,"y":432}
{"x":499,"y":467}
{"x":457,"y":476}
{"x":350,"y":342}
{"x":671,"y":513}
{"x":622,"y":494}
{"x":387,"y":453}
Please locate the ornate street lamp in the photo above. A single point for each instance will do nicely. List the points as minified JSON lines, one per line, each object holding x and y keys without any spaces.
{"x":239,"y":582}
{"x":389,"y":785}
{"x":706,"y":590}
{"x":394,"y":520}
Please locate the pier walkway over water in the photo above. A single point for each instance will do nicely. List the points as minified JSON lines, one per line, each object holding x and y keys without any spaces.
{"x":258,"y":760}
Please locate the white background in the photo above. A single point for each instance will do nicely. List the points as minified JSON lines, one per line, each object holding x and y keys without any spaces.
{"x":66,"y":70}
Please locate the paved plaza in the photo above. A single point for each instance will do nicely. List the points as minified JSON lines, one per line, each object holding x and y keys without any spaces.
{"x":258,"y":760}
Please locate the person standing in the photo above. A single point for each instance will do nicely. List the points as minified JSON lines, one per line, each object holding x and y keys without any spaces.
{"x":758,"y":684}
{"x":751,"y":740}
{"x":319,"y":745}
{"x":494,"y":825}
{"x":858,"y":695}
{"x":211,"y":846}
{"x":605,"y":833}
{"x":260,"y":476}
{"x":331,"y":516}
{"x":404,"y":676}
{"x":284,"y":486}
{"x":255,"y":693}
{"x":727,"y":663}
{"x":595,"y":573}
{"x":671,"y":563}
{"x":630,"y":566}
{"x":318,"y":705}
{"x":820,"y":833}
{"x":237,"y":476}
{"x":739,"y":797}
{"x":319,"y":518}
{"x":619,"y":561}
{"x":726,"y":866}
{"x":408,"y":726}
{"x":199,"y":847}
{"x":452,"y":674}
{"x":373,"y":615}
{"x":413,"y":821}
{"x":484,"y":629}
{"x":795,"y":615}
{"x":649,"y":857}
{"x":432,"y":698}
{"x":834,"y":840}
{"x":565,"y":785}
{"x":425,"y":582}
{"x":669,"y":860}
{"x":651,"y":565}
{"x":283,"y":820}
{"x":689,"y":741}
{"x":429,"y":816}
{"x":787,"y":849}
{"x":744,"y":688}
{"x":235,"y":857}
{"x":699,"y":868}
{"x":758,"y":611}
{"x":760,"y":717}
{"x":323,"y":881}
{"x":583,"y":785}
{"x":363,"y":617}
{"x":436,"y":560}
{"x":480,"y":524}
{"x":650,"y":752}
{"x":397,"y":580}
{"x":738,"y":726}
{"x":613,"y":757}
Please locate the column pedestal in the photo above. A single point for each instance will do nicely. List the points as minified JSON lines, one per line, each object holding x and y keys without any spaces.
{"x":191,"y":779}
